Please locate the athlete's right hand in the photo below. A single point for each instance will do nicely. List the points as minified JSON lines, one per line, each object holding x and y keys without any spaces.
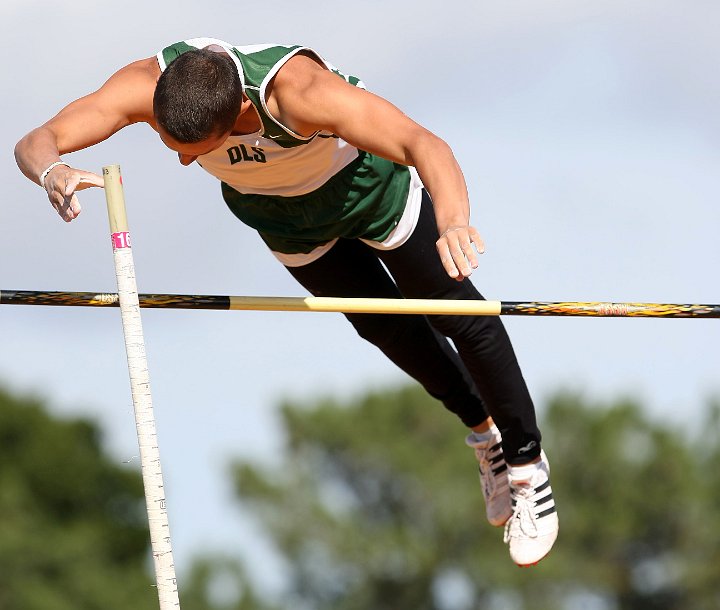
{"x":62,"y":183}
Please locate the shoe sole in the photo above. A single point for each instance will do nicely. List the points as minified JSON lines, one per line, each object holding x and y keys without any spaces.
{"x":530,"y":565}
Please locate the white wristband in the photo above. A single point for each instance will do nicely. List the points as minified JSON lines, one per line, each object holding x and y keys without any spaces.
{"x":49,"y":169}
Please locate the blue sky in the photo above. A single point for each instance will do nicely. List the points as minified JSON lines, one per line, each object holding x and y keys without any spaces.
{"x":588,"y":133}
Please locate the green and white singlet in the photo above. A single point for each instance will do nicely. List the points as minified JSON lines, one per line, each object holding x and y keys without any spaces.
{"x":303,"y":193}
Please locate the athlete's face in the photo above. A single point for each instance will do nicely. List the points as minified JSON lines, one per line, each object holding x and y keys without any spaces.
{"x":187,"y":153}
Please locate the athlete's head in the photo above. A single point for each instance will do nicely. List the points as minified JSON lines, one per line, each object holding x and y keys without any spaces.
{"x":198,"y":96}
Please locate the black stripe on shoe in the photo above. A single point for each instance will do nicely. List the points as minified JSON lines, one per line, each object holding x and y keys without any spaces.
{"x":544,"y":500}
{"x":543,"y":486}
{"x":499,"y":469}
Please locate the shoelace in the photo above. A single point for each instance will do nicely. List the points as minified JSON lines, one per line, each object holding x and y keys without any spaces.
{"x":523,"y":517}
{"x":490,"y":484}
{"x":484,"y":459}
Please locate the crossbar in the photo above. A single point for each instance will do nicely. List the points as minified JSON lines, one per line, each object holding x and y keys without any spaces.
{"x":369,"y":305}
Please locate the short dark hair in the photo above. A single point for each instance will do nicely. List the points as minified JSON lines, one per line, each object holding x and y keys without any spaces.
{"x":198,"y":96}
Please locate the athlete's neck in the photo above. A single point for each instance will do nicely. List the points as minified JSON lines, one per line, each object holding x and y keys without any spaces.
{"x":248,"y":121}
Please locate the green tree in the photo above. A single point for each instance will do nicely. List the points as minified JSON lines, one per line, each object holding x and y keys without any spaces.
{"x":637,"y":516}
{"x":73,"y":533}
{"x":376,"y":505}
{"x":73,"y":525}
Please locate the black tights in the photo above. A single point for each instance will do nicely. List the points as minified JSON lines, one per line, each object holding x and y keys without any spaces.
{"x":486,"y":366}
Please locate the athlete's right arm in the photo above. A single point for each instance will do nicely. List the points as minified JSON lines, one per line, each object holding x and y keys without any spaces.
{"x":124,"y":99}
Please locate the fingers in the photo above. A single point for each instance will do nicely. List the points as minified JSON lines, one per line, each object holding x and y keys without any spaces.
{"x":67,"y":206}
{"x":85,"y":180}
{"x":477,"y":240}
{"x":61,"y":185}
{"x":457,"y":248}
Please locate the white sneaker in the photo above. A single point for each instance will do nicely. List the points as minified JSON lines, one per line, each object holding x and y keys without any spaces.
{"x":493,"y":474}
{"x":533,"y":528}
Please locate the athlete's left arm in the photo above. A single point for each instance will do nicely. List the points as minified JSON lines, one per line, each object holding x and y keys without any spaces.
{"x":307,"y":98}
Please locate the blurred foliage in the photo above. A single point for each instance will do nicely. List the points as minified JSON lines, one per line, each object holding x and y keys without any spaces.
{"x":72,"y":523}
{"x":375,"y":504}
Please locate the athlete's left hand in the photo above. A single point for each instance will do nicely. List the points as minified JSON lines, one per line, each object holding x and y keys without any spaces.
{"x":456,"y":247}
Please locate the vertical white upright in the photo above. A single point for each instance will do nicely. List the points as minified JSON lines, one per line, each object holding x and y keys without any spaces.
{"x":140,"y":387}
